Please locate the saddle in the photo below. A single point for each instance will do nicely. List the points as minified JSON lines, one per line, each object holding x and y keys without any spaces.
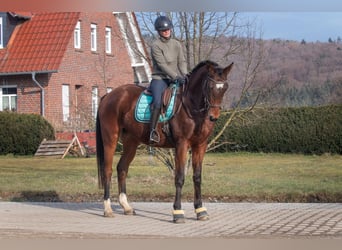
{"x":143,"y":110}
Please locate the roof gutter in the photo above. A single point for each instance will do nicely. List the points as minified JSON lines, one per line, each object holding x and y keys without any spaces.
{"x":33,"y":74}
{"x":27,"y":73}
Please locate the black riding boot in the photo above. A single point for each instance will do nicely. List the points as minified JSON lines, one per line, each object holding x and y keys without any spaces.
{"x":154,"y":136}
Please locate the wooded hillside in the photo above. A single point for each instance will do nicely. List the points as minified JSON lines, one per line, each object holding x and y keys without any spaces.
{"x":293,"y":74}
{"x":273,"y":72}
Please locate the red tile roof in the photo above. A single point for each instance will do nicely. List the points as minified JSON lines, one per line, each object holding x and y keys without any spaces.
{"x":21,"y":14}
{"x":39,"y":44}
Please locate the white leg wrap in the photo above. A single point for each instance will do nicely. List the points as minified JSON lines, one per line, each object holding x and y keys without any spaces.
{"x":107,"y":205}
{"x":108,"y":212}
{"x":124,"y":203}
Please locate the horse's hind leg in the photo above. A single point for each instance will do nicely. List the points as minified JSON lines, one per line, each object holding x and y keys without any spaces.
{"x":110,"y":139}
{"x":108,"y":159}
{"x":129,"y":150}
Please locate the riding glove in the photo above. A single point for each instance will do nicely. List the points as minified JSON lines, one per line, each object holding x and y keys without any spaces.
{"x":181,"y":80}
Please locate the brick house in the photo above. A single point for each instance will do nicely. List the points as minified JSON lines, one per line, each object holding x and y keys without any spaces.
{"x":60,"y":64}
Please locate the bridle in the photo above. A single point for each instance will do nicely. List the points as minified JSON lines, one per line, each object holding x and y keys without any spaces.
{"x":207,"y":92}
{"x":207,"y":100}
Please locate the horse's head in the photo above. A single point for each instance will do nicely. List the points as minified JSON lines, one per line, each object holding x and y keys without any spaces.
{"x":205,"y":89}
{"x":216,"y":86}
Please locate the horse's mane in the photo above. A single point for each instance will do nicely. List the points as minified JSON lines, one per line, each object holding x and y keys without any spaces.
{"x":195,"y":70}
{"x":202,"y":63}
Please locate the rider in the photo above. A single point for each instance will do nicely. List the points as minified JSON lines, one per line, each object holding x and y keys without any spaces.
{"x":168,"y":65}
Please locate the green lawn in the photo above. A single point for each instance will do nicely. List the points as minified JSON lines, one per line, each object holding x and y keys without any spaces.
{"x":226,"y":177}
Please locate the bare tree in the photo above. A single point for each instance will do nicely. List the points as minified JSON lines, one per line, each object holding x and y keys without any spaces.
{"x":205,"y":36}
{"x":199,"y":31}
{"x":251,"y":56}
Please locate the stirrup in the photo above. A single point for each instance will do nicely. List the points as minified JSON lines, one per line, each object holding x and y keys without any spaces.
{"x":154,"y":136}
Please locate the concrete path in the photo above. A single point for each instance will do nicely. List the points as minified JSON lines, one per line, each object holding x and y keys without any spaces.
{"x":154,"y":221}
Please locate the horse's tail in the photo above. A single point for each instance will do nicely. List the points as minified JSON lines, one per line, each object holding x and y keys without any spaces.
{"x":99,"y":153}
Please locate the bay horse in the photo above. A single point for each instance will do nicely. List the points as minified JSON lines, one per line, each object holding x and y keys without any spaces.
{"x":197,"y":109}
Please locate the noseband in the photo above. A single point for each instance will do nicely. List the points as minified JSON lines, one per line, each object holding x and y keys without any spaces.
{"x":207,"y":92}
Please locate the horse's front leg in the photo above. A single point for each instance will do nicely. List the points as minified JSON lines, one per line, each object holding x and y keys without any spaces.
{"x":129,"y":151}
{"x":197,"y":159}
{"x":180,"y":162}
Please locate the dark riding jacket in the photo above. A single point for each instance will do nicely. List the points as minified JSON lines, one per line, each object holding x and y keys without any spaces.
{"x":168,"y":59}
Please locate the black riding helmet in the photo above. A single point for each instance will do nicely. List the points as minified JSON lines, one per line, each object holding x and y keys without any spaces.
{"x":163,"y":23}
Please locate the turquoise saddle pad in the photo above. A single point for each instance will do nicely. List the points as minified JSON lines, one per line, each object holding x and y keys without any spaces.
{"x":142,"y":108}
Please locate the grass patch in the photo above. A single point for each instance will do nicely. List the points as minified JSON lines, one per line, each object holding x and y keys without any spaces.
{"x":231,"y":177}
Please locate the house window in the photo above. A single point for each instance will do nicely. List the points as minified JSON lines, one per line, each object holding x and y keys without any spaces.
{"x":77,"y":35}
{"x":108,"y":40}
{"x":93,"y":37}
{"x":1,"y":34}
{"x":94,"y":101}
{"x":65,"y":102}
{"x":8,"y":98}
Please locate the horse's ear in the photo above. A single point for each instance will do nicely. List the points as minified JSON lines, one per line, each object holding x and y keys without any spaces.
{"x":211,"y":69}
{"x":228,"y":68}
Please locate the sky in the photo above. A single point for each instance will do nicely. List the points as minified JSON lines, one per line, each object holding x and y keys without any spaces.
{"x":174,"y":5}
{"x":311,"y":20}
{"x":310,"y":26}
{"x":295,"y":26}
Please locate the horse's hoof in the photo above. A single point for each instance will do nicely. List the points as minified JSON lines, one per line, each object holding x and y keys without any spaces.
{"x":203,"y":217}
{"x":179,"y":221}
{"x":178,"y":216}
{"x":130,"y":212}
{"x":202,"y":214}
{"x":108,"y":214}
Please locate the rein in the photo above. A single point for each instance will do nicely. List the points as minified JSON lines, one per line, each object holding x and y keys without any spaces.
{"x":206,"y":91}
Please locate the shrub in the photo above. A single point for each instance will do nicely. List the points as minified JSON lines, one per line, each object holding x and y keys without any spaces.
{"x":310,"y":130}
{"x":21,"y":134}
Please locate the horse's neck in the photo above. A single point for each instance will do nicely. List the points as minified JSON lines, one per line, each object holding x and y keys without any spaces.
{"x":194,"y":96}
{"x":196,"y":88}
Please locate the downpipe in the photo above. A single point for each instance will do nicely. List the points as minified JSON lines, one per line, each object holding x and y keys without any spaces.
{"x":42,"y":99}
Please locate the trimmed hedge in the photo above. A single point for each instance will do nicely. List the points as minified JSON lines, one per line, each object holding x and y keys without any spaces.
{"x":21,"y":134}
{"x":309,"y":130}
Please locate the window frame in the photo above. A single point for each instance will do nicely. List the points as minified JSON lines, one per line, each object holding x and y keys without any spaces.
{"x":93,"y":37}
{"x":77,"y":35}
{"x":94,"y":100}
{"x":9,"y":98}
{"x":66,"y":102}
{"x":1,"y":34}
{"x":108,"y":40}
